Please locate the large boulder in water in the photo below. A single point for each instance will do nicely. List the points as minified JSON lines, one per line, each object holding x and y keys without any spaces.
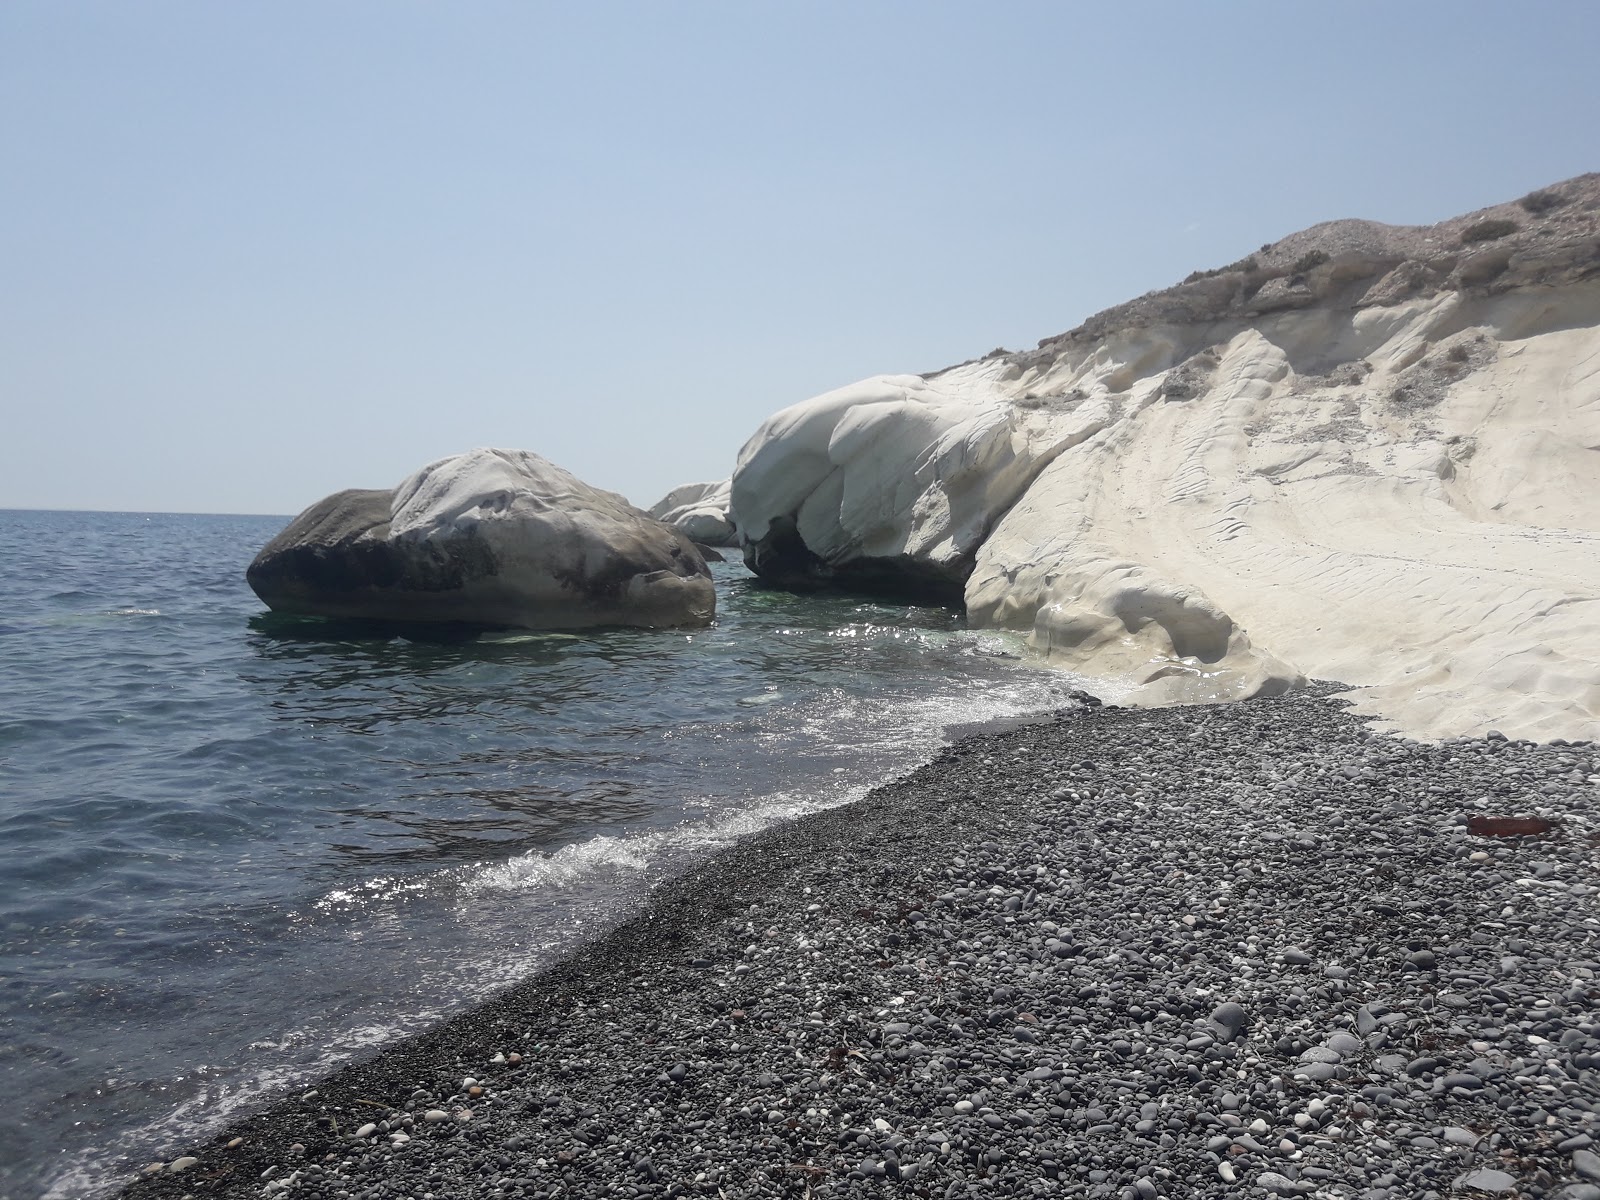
{"x":490,"y":537}
{"x":700,"y":510}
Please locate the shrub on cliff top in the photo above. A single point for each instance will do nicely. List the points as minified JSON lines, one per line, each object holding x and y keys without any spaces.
{"x":1541,"y":201}
{"x":1488,"y":231}
{"x":1310,"y":260}
{"x":1247,"y":265}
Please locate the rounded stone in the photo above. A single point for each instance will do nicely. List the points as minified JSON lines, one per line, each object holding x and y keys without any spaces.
{"x":1487,"y":1179}
{"x":1231,"y":1016}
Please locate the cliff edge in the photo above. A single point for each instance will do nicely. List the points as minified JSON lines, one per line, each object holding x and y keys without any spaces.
{"x":1368,"y":453}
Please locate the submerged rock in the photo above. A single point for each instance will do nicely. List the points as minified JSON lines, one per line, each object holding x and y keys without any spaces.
{"x":490,"y":537}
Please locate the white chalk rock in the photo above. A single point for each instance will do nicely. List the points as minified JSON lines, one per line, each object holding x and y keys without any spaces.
{"x":700,"y":512}
{"x":1071,"y":562}
{"x":490,"y":537}
{"x":889,"y":483}
{"x":685,"y":495}
{"x":1367,"y":453}
{"x":1405,"y":498}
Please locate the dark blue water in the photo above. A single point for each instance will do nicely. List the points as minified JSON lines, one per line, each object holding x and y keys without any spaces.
{"x":236,"y":850}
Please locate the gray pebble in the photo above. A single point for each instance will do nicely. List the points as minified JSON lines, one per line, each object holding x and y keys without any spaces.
{"x":1230,"y":1016}
{"x":1487,"y":1179}
{"x":1344,"y":1044}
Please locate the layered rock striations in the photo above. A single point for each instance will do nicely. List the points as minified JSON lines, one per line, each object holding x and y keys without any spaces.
{"x":1366,"y":453}
{"x":490,"y":537}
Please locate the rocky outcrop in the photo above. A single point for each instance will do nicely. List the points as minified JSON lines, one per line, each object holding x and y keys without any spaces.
{"x":490,"y":537}
{"x":1406,"y":498}
{"x":1548,"y":238}
{"x":888,"y":485}
{"x":1367,"y":453}
{"x":700,"y":511}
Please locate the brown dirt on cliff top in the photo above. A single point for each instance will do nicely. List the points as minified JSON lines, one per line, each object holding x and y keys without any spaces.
{"x":1548,"y":237}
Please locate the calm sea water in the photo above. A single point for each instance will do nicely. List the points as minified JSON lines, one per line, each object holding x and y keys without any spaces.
{"x":236,"y":850}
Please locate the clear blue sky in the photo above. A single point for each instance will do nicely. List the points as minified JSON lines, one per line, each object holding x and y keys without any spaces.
{"x":251,"y":253}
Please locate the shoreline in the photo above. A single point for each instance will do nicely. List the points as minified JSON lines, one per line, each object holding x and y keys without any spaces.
{"x":1008,"y":972}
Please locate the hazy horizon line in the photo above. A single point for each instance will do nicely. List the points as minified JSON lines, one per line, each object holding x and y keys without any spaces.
{"x":140,"y":512}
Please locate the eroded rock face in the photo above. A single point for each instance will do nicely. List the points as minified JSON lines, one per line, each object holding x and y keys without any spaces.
{"x":1402,"y":497}
{"x":1367,"y":453}
{"x":490,"y":537}
{"x":890,"y":484}
{"x":700,"y":511}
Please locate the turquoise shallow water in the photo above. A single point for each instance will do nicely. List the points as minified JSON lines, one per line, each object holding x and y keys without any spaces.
{"x":235,"y":849}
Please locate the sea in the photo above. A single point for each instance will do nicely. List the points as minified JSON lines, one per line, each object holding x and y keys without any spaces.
{"x":239,"y":849}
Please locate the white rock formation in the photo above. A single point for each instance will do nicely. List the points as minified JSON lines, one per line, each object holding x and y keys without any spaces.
{"x":1414,"y":508}
{"x":1384,"y":470}
{"x":893,"y":480}
{"x":699,"y":510}
{"x":490,"y":537}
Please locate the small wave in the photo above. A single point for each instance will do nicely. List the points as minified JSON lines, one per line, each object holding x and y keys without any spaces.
{"x":568,"y":865}
{"x":527,"y":637}
{"x":583,"y":863}
{"x":210,"y":1105}
{"x":570,"y":881}
{"x":134,"y":612}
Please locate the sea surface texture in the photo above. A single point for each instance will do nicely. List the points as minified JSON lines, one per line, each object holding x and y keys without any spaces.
{"x":238,"y":849}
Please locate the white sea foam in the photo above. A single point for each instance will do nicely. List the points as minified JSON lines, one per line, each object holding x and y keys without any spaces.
{"x":648,"y":854}
{"x":570,"y":864}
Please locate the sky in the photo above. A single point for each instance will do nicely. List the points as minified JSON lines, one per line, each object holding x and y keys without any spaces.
{"x":255,"y":252}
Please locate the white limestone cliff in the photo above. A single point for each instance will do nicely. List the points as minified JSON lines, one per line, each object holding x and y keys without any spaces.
{"x":1382,"y":468}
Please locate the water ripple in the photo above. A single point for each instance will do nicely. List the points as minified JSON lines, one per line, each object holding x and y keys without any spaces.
{"x":236,"y":846}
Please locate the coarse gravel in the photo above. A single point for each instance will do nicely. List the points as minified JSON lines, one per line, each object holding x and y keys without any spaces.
{"x":1249,"y":950}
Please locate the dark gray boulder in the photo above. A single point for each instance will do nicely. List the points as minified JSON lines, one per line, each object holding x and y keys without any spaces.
{"x":490,"y":537}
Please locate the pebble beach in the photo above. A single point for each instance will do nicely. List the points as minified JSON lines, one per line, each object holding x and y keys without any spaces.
{"x":1247,"y":950}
